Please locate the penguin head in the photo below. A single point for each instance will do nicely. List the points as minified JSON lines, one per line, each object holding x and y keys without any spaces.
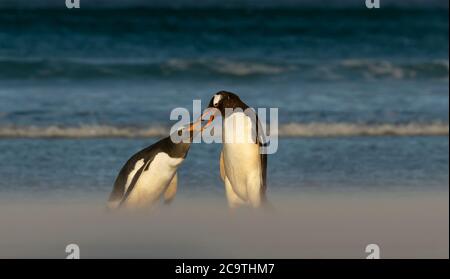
{"x":225,"y":99}
{"x":220,"y":101}
{"x":180,"y":140}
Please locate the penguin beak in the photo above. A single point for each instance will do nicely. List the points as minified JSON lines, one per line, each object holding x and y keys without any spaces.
{"x":213,"y":112}
{"x":192,"y":126}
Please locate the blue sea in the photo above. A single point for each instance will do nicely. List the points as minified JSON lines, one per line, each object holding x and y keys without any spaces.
{"x":363,"y":95}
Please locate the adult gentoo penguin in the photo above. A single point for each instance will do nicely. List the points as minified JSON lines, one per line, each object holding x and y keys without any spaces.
{"x":242,"y":166}
{"x":152,"y":172}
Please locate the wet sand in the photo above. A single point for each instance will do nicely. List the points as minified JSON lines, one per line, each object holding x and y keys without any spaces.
{"x":313,"y":225}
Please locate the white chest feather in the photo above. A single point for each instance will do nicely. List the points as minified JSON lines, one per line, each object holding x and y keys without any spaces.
{"x":153,"y":181}
{"x":239,"y":128}
{"x":241,"y":154}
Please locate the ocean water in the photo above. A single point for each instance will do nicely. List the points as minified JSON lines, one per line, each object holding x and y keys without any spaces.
{"x":363,"y":95}
{"x":74,"y":169}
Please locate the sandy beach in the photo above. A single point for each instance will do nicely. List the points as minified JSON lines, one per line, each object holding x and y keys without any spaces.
{"x":409,"y":225}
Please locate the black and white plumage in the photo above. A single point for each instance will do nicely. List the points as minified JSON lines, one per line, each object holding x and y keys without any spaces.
{"x":243,"y":167}
{"x":149,"y":174}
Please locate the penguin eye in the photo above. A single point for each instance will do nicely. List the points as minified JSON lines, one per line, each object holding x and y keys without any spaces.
{"x":180,"y":132}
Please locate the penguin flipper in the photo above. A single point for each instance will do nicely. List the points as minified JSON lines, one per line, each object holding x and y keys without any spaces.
{"x":262,"y":142}
{"x":171,"y":190}
{"x":263,"y":158}
{"x":118,"y":190}
{"x":133,"y":183}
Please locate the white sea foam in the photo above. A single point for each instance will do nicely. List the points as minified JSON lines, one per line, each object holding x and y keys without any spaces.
{"x":215,"y":67}
{"x":85,"y":131}
{"x":228,"y":67}
{"x":353,"y":129}
{"x":285,"y":130}
{"x":371,"y":69}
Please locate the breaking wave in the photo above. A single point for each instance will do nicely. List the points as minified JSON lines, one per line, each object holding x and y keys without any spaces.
{"x":285,"y":130}
{"x":351,"y":129}
{"x":36,"y":68}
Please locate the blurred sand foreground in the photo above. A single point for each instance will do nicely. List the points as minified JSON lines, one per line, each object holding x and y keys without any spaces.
{"x":412,"y":225}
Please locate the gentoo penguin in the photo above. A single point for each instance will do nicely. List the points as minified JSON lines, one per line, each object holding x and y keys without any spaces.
{"x":242,"y":166}
{"x":151,"y":172}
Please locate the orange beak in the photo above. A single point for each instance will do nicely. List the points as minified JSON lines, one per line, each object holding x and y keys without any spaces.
{"x":211,"y":117}
{"x":195,"y":124}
